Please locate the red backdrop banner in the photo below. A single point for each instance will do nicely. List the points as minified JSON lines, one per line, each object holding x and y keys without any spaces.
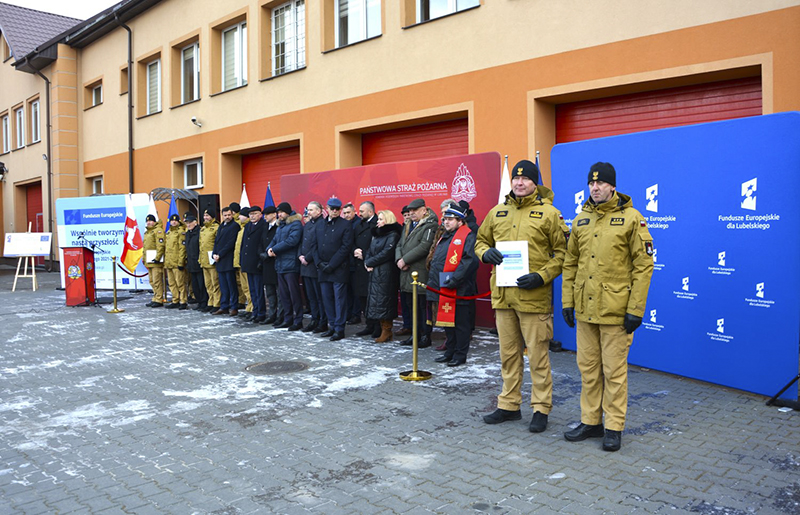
{"x":474,"y":178}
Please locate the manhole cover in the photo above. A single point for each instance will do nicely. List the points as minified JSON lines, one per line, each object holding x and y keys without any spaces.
{"x":276,"y":367}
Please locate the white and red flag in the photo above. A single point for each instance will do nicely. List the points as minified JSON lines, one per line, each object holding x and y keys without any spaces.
{"x":132,"y":245}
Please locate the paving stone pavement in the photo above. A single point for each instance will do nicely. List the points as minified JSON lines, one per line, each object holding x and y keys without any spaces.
{"x":151,"y":411}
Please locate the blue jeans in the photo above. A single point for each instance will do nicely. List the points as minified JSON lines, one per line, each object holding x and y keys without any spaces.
{"x":335,"y":297}
{"x":229,"y":290}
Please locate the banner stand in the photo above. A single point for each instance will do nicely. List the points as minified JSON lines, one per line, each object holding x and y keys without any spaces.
{"x":32,"y":274}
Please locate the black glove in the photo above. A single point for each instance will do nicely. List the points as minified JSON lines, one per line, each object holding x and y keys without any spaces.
{"x":631,"y":323}
{"x":327,"y":269}
{"x":321,"y":266}
{"x":180,"y":268}
{"x":263,"y":256}
{"x":448,"y":283}
{"x":492,"y":256}
{"x":569,"y":316}
{"x":530,"y":281}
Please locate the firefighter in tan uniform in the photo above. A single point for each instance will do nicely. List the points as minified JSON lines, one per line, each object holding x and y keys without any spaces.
{"x":208,"y":234}
{"x":606,"y":277}
{"x":524,"y":313}
{"x":241,"y":277}
{"x":153,"y":241}
{"x":175,"y":263}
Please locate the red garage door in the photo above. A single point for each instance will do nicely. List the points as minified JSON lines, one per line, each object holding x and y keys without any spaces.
{"x":33,"y":208}
{"x":428,"y":141}
{"x":268,"y":167}
{"x":658,"y":109}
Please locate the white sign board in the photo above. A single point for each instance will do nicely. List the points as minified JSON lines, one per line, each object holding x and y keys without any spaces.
{"x":19,"y":244}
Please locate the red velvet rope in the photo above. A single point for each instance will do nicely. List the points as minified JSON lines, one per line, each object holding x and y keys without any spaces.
{"x":132,"y":275}
{"x":468,"y":297}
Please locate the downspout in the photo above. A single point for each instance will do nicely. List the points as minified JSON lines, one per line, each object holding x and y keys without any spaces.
{"x":130,"y":101}
{"x":50,"y":206}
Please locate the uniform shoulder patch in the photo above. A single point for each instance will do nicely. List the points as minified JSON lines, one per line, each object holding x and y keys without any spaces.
{"x":535,"y":214}
{"x":583,"y":221}
{"x":501,"y":214}
{"x":648,"y":247}
{"x":642,"y":223}
{"x":617,"y":221}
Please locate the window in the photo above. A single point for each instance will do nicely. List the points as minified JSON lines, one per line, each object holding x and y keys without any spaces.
{"x":193,"y":174}
{"x":19,"y":115}
{"x":357,"y":20}
{"x":234,"y":56}
{"x":431,"y":9}
{"x":190,"y":73}
{"x":97,"y":185}
{"x":6,"y":135}
{"x":97,"y":95}
{"x":288,"y":37}
{"x":35,"y":125}
{"x":123,"y":80}
{"x":154,"y":86}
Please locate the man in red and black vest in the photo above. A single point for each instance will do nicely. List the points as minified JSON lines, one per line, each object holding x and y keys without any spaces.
{"x":453,"y":271}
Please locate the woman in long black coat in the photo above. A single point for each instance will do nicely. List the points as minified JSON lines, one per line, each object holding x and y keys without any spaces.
{"x":384,"y":277}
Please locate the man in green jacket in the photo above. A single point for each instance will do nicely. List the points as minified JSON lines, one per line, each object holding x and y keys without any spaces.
{"x":175,"y":262}
{"x":524,"y":311}
{"x":153,"y":258}
{"x":208,"y":233}
{"x":607,"y":274}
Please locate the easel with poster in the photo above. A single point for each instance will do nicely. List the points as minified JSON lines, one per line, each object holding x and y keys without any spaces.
{"x":26,"y":246}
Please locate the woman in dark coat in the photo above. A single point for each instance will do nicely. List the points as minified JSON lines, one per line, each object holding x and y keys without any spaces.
{"x":384,"y":277}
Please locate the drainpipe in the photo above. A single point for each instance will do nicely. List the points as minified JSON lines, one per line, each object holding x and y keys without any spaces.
{"x":49,"y":167}
{"x":130,"y":101}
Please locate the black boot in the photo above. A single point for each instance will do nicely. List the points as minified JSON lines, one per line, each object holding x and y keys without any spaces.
{"x":369,"y":329}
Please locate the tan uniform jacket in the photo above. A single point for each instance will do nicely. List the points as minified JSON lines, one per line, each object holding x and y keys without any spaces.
{"x":238,"y":248}
{"x":609,"y":262}
{"x":176,"y":247}
{"x":154,"y":240}
{"x":207,"y":235}
{"x":535,"y":220}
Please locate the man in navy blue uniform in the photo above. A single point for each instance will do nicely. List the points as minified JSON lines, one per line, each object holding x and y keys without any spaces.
{"x":284,"y":248}
{"x":334,"y":247}
{"x":250,"y":260}
{"x":224,"y":243}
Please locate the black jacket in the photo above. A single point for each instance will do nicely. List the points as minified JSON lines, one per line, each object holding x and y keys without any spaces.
{"x":224,"y":243}
{"x":384,"y":280}
{"x":362,"y":237}
{"x":252,"y":247}
{"x":334,"y":248}
{"x":268,"y":264}
{"x":193,"y":250}
{"x":464,"y":278}
{"x":308,"y":248}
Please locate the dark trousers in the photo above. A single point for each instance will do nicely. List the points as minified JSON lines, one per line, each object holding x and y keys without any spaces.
{"x":314,"y":295}
{"x":458,"y":336}
{"x":274,"y":308}
{"x":292,"y":302}
{"x":405,"y":305}
{"x":334,"y":296}
{"x":256,"y":284}
{"x":229,"y":290}
{"x":352,"y":307}
{"x":199,"y":288}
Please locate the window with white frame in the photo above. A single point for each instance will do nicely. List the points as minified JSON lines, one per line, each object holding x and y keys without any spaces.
{"x":6,"y":135}
{"x":193,"y":174}
{"x":234,"y":56}
{"x":35,"y":124}
{"x":190,"y":73}
{"x":97,"y":185}
{"x":19,"y":115}
{"x":97,"y":95}
{"x":357,"y":20}
{"x":288,"y":37}
{"x":431,"y":9}
{"x":154,"y":86}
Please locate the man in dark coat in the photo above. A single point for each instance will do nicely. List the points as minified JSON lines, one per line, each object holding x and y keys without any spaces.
{"x":224,"y":243}
{"x":274,"y":308}
{"x":362,"y":237}
{"x":334,"y":244}
{"x":284,"y":248}
{"x":192,"y":263}
{"x":250,"y":260}
{"x":308,"y":270}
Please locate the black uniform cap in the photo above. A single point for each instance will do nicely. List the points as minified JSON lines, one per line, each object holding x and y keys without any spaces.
{"x":526,"y":169}
{"x":603,"y":172}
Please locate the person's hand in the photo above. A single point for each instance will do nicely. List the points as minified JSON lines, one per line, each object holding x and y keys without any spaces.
{"x":631,"y":323}
{"x":401,"y":264}
{"x":358,"y":254}
{"x":216,"y":257}
{"x":271,"y":253}
{"x":530,"y":281}
{"x":369,"y":268}
{"x":180,"y":268}
{"x":492,"y":256}
{"x":569,"y":316}
{"x":448,"y":283}
{"x":303,"y":260}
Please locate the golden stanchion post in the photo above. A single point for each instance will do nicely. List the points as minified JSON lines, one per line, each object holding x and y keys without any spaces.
{"x":415,"y":375}
{"x":115,"y":309}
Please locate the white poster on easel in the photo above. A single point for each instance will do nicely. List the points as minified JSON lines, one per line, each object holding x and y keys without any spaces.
{"x":21,"y":244}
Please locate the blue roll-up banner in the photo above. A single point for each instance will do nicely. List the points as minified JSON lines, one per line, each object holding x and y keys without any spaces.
{"x":722,"y":204}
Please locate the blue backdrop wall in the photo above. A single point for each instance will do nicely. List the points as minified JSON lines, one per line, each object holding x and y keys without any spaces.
{"x":722,"y":204}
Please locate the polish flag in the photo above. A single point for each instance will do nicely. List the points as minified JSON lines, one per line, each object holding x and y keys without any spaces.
{"x":132,"y":246}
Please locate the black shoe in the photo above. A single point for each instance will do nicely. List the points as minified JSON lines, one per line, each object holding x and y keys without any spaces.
{"x":377,"y":331}
{"x":270,"y":320}
{"x":612,"y":441}
{"x":258,"y":320}
{"x":295,"y":327}
{"x":209,"y":309}
{"x":247,"y":316}
{"x":156,"y":304}
{"x":538,"y":422}
{"x":322,"y":328}
{"x":425,"y":342}
{"x":355,"y":320}
{"x":183,"y":307}
{"x":198,"y":307}
{"x":192,"y":300}
{"x":443,"y":359}
{"x":555,"y":346}
{"x":282,"y":325}
{"x":408,"y":341}
{"x":584,"y":431}
{"x":493,"y":331}
{"x":328,"y":333}
{"x":337,"y":336}
{"x":502,"y":415}
{"x":367,"y":331}
{"x":173,"y":305}
{"x":456,"y":362}
{"x":310,"y":327}
{"x":149,"y":304}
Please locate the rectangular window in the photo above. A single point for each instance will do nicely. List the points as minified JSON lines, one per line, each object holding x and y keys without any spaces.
{"x":190,"y":73}
{"x":432,"y":9}
{"x":35,"y":124}
{"x":357,"y":20}
{"x":234,"y":56}
{"x":123,"y":80}
{"x":19,"y":116}
{"x":97,"y":95}
{"x":193,"y":174}
{"x":97,"y":185}
{"x":154,"y":86}
{"x":288,"y":37}
{"x":6,"y":135}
